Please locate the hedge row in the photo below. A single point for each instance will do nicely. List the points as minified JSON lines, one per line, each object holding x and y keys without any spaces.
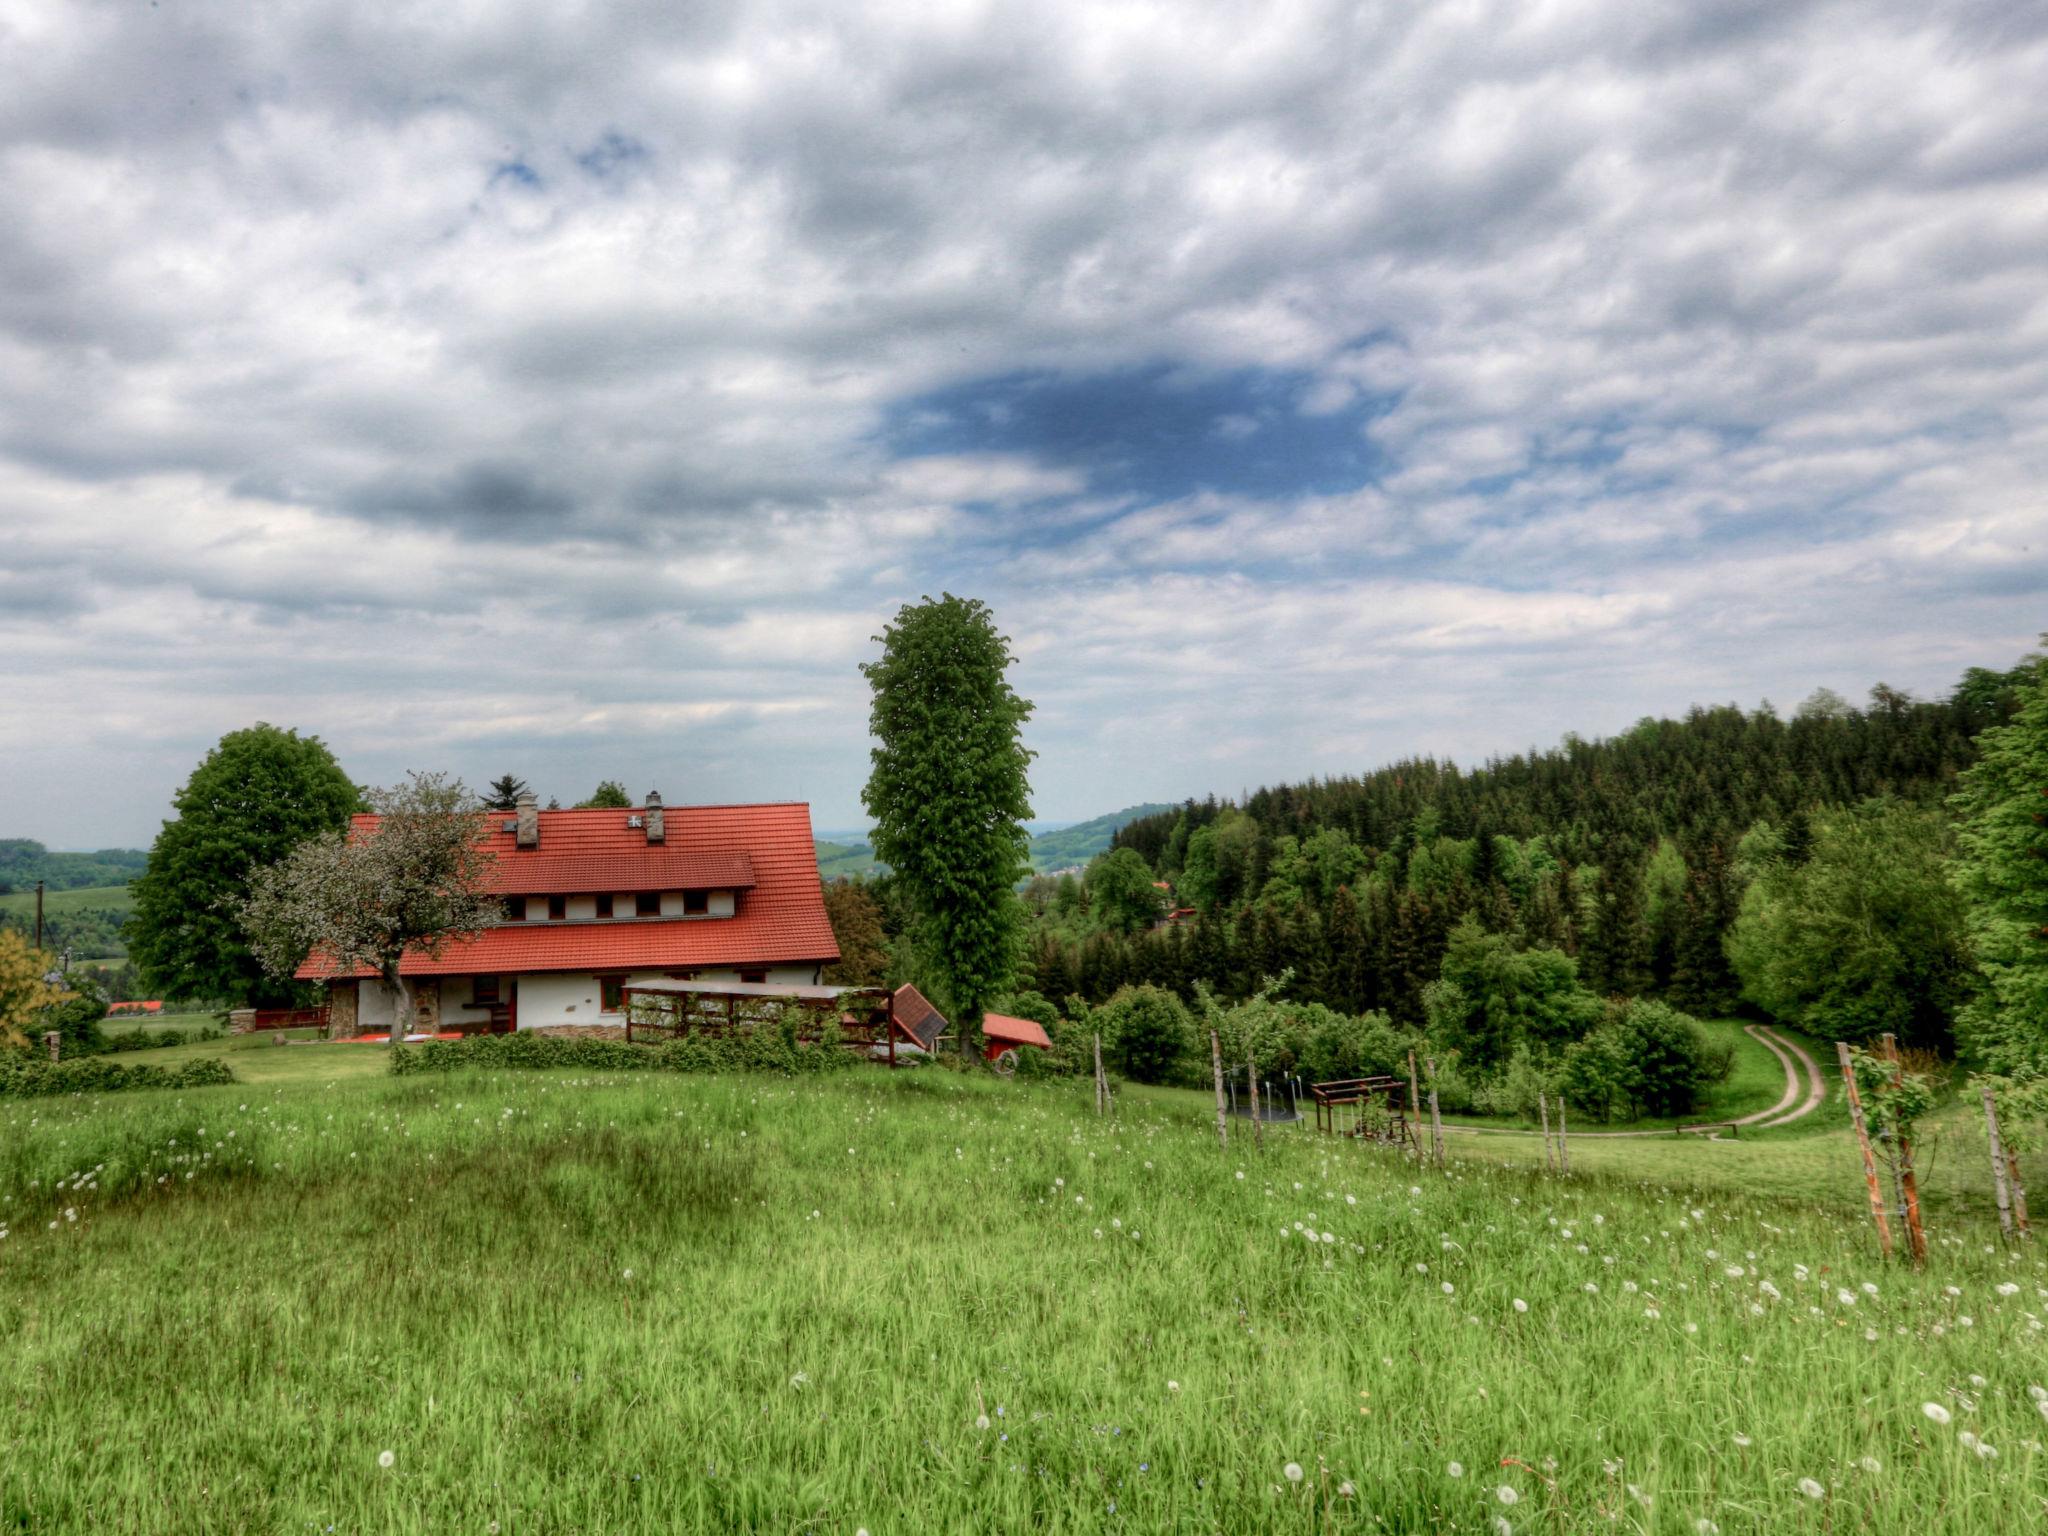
{"x":759,"y":1050}
{"x":24,"y":1079}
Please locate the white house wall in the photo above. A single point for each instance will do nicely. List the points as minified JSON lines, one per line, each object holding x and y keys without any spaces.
{"x":547,"y":999}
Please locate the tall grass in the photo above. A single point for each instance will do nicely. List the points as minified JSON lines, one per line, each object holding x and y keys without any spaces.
{"x":679,"y":1303}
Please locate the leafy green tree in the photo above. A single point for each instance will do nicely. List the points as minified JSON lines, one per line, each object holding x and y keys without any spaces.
{"x":1122,"y":892}
{"x":610,"y":795}
{"x":416,"y":884}
{"x":1220,"y":862}
{"x":504,"y":793}
{"x":1146,"y":1034}
{"x":2002,"y":872}
{"x":256,"y":796}
{"x":1867,"y":937}
{"x":949,"y":794}
{"x":1492,"y":997}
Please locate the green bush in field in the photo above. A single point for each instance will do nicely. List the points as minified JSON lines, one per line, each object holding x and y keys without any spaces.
{"x":1645,"y":1058}
{"x":27,"y":1077}
{"x":775,"y":1048}
{"x":140,"y":1039}
{"x":1146,"y":1034}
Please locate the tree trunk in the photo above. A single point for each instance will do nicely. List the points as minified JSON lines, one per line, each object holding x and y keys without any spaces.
{"x":1216,"y":1064}
{"x":402,"y":1010}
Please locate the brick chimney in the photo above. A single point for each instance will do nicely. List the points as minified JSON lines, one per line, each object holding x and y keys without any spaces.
{"x":529,"y":821}
{"x":657,"y":832}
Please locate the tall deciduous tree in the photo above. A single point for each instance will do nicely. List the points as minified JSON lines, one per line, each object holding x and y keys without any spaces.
{"x":257,"y":795}
{"x":1122,"y":892}
{"x":2003,"y":874}
{"x":949,"y":795}
{"x":416,"y":883}
{"x":610,"y":795}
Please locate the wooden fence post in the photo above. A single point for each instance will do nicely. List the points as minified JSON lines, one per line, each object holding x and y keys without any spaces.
{"x":1101,"y":1083}
{"x":2019,"y":1193}
{"x":1999,"y":1189}
{"x":1251,"y":1074}
{"x":1414,"y":1109}
{"x":1564,"y":1145}
{"x":1436,"y":1121}
{"x":1222,"y":1118}
{"x":1884,"y":1226}
{"x":1909,"y":1186}
{"x":1543,"y":1108}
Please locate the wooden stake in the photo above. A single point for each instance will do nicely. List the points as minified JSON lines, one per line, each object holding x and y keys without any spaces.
{"x":1915,"y":1237}
{"x":1101,"y":1083}
{"x":1543,"y":1108}
{"x":1414,"y":1110}
{"x":1999,"y":1189}
{"x":1222,"y":1116}
{"x":1564,"y":1145}
{"x":1436,"y":1121}
{"x":2019,"y":1193}
{"x":1884,"y":1226}
{"x":1258,"y":1125}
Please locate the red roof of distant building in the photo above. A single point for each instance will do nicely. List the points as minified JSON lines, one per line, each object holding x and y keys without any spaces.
{"x":154,"y":1006}
{"x":763,"y":852}
{"x":1000,"y":1026}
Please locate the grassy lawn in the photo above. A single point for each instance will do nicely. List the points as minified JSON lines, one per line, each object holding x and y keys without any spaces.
{"x":659,"y":1303}
{"x":113,"y":898}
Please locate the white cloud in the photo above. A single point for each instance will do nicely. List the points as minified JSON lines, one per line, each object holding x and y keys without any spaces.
{"x":515,"y":386}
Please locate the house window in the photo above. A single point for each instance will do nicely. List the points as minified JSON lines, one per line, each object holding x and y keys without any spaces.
{"x":604,"y":904}
{"x":611,"y":996}
{"x":515,"y":909}
{"x":647,"y":904}
{"x":696,"y":903}
{"x":756,"y":977}
{"x":558,"y":908}
{"x":483,"y":989}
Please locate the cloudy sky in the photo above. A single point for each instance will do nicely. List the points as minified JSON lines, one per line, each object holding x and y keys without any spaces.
{"x":574,"y":389}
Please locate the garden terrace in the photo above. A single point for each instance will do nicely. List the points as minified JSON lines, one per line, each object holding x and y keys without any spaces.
{"x":865,"y":1017}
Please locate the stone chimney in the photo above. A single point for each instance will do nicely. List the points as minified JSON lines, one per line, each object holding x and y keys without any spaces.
{"x":657,"y":832}
{"x":529,"y":821}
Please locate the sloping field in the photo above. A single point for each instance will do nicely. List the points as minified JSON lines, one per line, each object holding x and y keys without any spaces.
{"x":929,"y":1303}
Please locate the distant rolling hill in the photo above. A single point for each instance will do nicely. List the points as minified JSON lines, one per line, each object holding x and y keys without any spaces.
{"x":1059,"y":848}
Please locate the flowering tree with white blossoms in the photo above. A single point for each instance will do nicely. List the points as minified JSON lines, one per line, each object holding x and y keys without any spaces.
{"x":415,"y":883}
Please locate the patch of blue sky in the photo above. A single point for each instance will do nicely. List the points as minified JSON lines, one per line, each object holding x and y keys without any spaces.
{"x":1153,"y":433}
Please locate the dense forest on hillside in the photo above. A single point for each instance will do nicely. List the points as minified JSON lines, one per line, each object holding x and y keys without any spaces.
{"x":24,"y":861}
{"x":1635,"y":857}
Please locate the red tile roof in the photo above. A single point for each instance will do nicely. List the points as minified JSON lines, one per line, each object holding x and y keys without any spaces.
{"x":780,"y":917}
{"x":1000,"y":1026}
{"x":531,"y":872}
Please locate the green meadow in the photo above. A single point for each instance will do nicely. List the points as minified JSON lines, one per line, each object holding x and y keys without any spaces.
{"x":326,"y":1298}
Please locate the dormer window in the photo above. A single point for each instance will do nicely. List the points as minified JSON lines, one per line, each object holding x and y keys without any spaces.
{"x":647,"y":904}
{"x":696,"y":903}
{"x":604,"y":903}
{"x":558,"y":908}
{"x":515,"y":909}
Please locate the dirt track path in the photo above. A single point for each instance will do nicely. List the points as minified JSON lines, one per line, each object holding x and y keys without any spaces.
{"x":1791,"y":1106}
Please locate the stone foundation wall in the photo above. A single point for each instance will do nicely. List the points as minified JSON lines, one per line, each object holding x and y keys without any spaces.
{"x":581,"y":1031}
{"x":341,"y":1010}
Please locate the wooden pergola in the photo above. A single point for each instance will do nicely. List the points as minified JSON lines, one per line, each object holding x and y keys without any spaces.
{"x":865,"y":1016}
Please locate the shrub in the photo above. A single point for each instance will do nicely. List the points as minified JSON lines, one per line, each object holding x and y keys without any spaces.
{"x":141,"y":1039}
{"x":26,"y":1077}
{"x":1146,"y":1034}
{"x":1645,"y":1058}
{"x":771,"y":1049}
{"x":1514,"y":1091}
